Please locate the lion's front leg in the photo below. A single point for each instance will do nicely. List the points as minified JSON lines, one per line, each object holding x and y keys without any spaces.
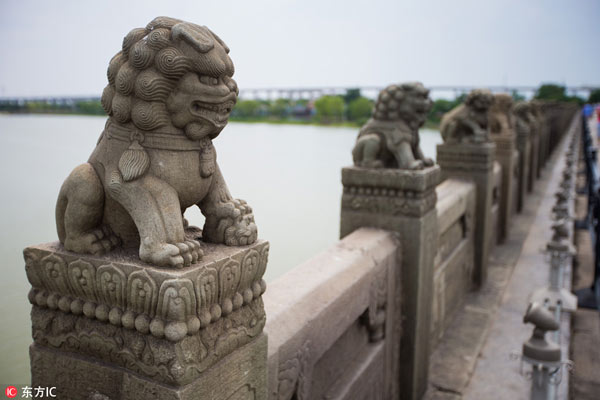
{"x":405,"y":158}
{"x":228,"y":220}
{"x":427,"y":162}
{"x":154,"y":207}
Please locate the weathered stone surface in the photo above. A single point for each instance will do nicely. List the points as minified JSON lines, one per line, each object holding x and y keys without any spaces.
{"x":468,"y":122}
{"x":388,"y":192}
{"x":410,"y":211}
{"x":523,"y":131}
{"x":503,"y":135}
{"x":454,"y":259}
{"x":390,"y":139}
{"x":335,"y":323}
{"x":239,"y":375}
{"x":474,"y":161}
{"x":169,"y":94}
{"x":495,"y":208}
{"x":168,"y":325}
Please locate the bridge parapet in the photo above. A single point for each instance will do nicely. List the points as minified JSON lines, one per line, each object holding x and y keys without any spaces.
{"x":334,"y":322}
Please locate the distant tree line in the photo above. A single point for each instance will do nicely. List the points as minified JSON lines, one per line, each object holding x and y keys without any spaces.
{"x":352,"y":108}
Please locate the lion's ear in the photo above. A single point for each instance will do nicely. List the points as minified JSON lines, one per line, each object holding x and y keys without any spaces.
{"x":196,"y":36}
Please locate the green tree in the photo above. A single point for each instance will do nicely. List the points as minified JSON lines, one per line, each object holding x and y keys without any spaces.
{"x":246,"y":109}
{"x":359,"y":110}
{"x":517,"y":96}
{"x":90,"y":107}
{"x":280,"y":108}
{"x":594,"y":96}
{"x":441,"y":107}
{"x":329,"y":109}
{"x":351,"y":95}
{"x":551,"y":92}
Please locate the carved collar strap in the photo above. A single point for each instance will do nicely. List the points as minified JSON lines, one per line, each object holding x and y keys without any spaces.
{"x":156,"y":140}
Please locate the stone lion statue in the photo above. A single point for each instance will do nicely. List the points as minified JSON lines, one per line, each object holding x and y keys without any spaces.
{"x":523,"y":118}
{"x":468,"y":122}
{"x":390,"y":139}
{"x":500,"y":116}
{"x":169,"y":94}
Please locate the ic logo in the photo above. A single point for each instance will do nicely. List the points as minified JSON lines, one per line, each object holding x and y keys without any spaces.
{"x":11,"y":392}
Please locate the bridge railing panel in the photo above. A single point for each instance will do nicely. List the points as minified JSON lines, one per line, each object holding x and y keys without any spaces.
{"x":331,"y":321}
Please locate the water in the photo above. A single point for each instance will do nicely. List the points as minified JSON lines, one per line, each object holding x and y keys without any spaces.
{"x":289,"y":174}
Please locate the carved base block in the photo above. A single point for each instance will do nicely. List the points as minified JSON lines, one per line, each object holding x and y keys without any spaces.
{"x":168,"y":325}
{"x":239,"y":375}
{"x":378,"y":194}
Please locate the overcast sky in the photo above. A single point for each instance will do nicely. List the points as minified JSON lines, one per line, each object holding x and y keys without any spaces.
{"x":63,"y":47}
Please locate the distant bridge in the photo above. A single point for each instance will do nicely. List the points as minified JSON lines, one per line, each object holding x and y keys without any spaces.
{"x":309,"y":93}
{"x":372,"y":91}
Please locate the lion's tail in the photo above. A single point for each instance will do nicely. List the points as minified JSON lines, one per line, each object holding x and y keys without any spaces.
{"x":61,"y":207}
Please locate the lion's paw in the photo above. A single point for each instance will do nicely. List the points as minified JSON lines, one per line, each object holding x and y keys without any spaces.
{"x":97,"y":241}
{"x":416,"y":164}
{"x":242,"y":232}
{"x":175,"y":255}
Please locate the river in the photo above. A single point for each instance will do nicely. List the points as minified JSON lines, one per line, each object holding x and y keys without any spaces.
{"x":289,"y":174}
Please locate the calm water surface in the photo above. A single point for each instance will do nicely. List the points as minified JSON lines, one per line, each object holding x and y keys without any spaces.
{"x":289,"y":174}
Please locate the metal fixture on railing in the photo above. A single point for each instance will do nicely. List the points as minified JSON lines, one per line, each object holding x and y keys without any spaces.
{"x":542,"y":354}
{"x":590,"y":297}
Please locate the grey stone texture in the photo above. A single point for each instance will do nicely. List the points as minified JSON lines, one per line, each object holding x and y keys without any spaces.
{"x":465,"y":346}
{"x":239,"y":375}
{"x":495,"y":209}
{"x":523,"y":132}
{"x":401,"y":201}
{"x":334,"y":322}
{"x":468,"y":122}
{"x":168,"y":326}
{"x":534,"y":138}
{"x":453,"y":265}
{"x":169,"y":95}
{"x":390,"y":139}
{"x":132,"y":302}
{"x":474,"y":161}
{"x":496,"y":375}
{"x":503,"y":135}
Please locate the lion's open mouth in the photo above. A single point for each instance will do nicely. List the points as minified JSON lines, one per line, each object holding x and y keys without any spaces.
{"x":214,"y":113}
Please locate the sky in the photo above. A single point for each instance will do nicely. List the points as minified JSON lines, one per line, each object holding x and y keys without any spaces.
{"x":62,"y":48}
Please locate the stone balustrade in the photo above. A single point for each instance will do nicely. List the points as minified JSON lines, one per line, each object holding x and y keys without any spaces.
{"x":334,"y":322}
{"x":359,"y":320}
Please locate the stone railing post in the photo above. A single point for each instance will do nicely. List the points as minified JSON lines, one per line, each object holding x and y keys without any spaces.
{"x":401,"y":201}
{"x":534,"y":156}
{"x":133,"y":302}
{"x":392,"y":187}
{"x":502,"y":134}
{"x":507,"y":156}
{"x":522,"y":131}
{"x":474,"y":161}
{"x":468,"y":153}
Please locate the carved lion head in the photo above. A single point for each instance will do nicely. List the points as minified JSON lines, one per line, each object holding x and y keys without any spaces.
{"x":522,"y":109}
{"x":409,"y":102}
{"x":480,"y":100}
{"x":171,"y":74}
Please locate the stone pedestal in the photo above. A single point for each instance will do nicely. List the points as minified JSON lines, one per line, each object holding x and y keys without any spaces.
{"x":474,"y":161}
{"x":116,"y":327}
{"x":402,"y":201}
{"x":507,"y":157}
{"x":524,"y":147}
